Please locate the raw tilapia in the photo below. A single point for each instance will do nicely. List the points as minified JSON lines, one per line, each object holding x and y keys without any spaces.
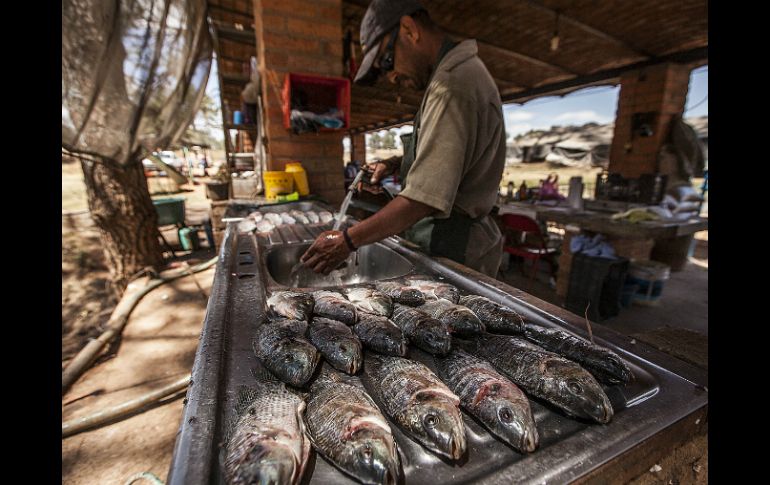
{"x":496,"y":318}
{"x":400,"y":293}
{"x":293,"y":305}
{"x":546,"y":375}
{"x":422,"y":330}
{"x":331,"y":304}
{"x":256,"y":216}
{"x":247,"y":225}
{"x":370,"y":301}
{"x":325,"y":216}
{"x":603,"y":363}
{"x":285,"y":352}
{"x":434,"y":290}
{"x":346,"y":427}
{"x":265,"y":226}
{"x":459,"y":319}
{"x":337,"y":343}
{"x":287,"y":219}
{"x":274,"y":218}
{"x":312,"y":217}
{"x":299,"y":216}
{"x":489,"y":396}
{"x":267,"y":443}
{"x":380,"y":334}
{"x":412,"y":396}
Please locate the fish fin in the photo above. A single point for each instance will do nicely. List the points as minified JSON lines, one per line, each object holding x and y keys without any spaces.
{"x":306,"y":443}
{"x":263,"y":375}
{"x":244,"y":396}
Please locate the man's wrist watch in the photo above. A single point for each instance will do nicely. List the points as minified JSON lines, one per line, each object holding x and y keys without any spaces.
{"x":348,"y":241}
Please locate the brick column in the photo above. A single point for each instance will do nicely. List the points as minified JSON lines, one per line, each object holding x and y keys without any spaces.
{"x":303,"y":36}
{"x":358,"y":148}
{"x":659,"y":89}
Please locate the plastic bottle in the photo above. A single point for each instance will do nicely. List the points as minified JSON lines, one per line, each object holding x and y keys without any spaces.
{"x":523,"y":191}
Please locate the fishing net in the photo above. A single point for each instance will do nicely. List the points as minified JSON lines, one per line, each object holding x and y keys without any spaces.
{"x":133,"y":74}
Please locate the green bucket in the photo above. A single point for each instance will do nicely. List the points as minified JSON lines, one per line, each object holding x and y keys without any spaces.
{"x":188,"y":238}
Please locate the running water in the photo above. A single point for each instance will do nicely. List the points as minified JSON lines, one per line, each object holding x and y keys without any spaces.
{"x":340,"y":216}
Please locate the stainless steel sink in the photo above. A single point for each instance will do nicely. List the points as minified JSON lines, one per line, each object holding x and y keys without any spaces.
{"x":372,"y":262}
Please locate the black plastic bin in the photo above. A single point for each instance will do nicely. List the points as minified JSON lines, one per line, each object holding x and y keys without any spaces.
{"x":598,"y":281}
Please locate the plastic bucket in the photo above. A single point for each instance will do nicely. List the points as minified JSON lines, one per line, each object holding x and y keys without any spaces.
{"x":277,"y":183}
{"x":189,"y":239}
{"x":649,"y":276}
{"x":300,"y":177}
{"x":170,"y":210}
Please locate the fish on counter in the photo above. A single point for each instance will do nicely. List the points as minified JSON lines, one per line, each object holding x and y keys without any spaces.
{"x":545,"y":375}
{"x":299,"y":216}
{"x":416,"y":399}
{"x":348,"y":429}
{"x":294,"y":305}
{"x":265,"y":226}
{"x":380,"y":334}
{"x":256,"y":216}
{"x":433,"y":290}
{"x":331,"y":304}
{"x":275,"y":218}
{"x":312,"y":216}
{"x":400,"y":293}
{"x":337,"y":343}
{"x":370,"y":301}
{"x":247,"y":225}
{"x":421,"y":330}
{"x":497,"y":318}
{"x":325,"y":216}
{"x":492,"y":398}
{"x":460,"y":320}
{"x":286,"y":218}
{"x":267,"y":441}
{"x":603,"y":363}
{"x":282,"y":348}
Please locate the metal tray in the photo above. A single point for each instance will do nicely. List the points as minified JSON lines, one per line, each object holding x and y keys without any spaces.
{"x":568,"y":448}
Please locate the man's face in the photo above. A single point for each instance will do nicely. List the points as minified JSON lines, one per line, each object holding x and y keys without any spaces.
{"x":409,"y":69}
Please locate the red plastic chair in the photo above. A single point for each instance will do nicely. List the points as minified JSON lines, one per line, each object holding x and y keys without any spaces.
{"x":526,"y":248}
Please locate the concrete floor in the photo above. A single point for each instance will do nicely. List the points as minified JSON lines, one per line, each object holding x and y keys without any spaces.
{"x":683,"y":302}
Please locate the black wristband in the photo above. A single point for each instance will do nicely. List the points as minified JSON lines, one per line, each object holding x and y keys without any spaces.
{"x":348,"y":241}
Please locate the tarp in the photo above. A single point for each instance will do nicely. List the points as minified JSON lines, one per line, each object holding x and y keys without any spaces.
{"x":133,"y":74}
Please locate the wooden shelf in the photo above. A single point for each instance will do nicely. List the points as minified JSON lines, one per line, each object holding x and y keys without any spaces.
{"x":233,"y":78}
{"x":229,"y":32}
{"x":231,"y":126}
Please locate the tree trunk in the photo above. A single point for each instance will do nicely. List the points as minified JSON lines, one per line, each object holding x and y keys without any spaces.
{"x":122,"y":209}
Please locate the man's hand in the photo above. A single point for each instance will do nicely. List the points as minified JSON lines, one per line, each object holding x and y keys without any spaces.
{"x":379,"y":171}
{"x":327,"y":252}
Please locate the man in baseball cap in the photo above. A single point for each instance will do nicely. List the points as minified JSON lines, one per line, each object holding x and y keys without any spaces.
{"x":454,"y":159}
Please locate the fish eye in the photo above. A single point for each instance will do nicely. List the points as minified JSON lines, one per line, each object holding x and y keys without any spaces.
{"x":575,"y":387}
{"x":288,"y":358}
{"x":431,"y":420}
{"x":506,"y":415}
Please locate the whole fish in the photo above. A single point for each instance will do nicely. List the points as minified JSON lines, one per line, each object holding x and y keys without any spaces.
{"x":312,"y":217}
{"x":424,"y":331}
{"x":293,"y":305}
{"x":275,"y":218}
{"x":546,"y":375}
{"x":345,"y":426}
{"x":401,"y":293}
{"x":412,"y":396}
{"x":497,"y":318}
{"x":370,"y":301}
{"x":299,"y":216}
{"x":459,"y":319}
{"x":337,"y":343}
{"x":489,"y":396}
{"x":380,"y":334}
{"x":287,"y":218}
{"x":267,"y":443}
{"x":256,"y":215}
{"x":325,"y":216}
{"x":603,"y":363}
{"x":285,"y":352}
{"x":265,"y":226}
{"x":247,"y":225}
{"x":331,"y":304}
{"x":434,"y":290}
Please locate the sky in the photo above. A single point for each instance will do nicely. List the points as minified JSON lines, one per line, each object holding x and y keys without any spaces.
{"x":595,"y":104}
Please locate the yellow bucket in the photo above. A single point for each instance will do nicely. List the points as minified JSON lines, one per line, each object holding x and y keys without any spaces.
{"x":300,"y":177}
{"x":277,"y":183}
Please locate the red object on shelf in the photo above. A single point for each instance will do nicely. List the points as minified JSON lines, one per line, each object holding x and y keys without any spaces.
{"x":320,"y":94}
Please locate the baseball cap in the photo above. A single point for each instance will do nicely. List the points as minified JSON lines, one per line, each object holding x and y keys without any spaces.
{"x":379,"y":19}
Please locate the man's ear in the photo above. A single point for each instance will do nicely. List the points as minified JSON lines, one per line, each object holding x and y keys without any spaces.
{"x":409,"y":29}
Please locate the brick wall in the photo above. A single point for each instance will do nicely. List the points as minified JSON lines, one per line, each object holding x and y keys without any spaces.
{"x":661,"y":89}
{"x":303,"y":36}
